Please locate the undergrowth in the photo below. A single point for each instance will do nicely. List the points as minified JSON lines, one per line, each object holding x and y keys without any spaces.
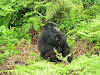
{"x":78,"y":19}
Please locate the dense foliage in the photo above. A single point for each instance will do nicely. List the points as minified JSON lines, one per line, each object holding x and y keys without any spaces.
{"x":78,"y":19}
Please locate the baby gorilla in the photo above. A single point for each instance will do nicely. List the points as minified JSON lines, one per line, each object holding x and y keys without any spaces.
{"x":49,"y":39}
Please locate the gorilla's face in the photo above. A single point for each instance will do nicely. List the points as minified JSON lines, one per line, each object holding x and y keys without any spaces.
{"x":56,"y":28}
{"x":51,"y":26}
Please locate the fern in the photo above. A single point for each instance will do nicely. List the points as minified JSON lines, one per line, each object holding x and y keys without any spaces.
{"x":53,"y":7}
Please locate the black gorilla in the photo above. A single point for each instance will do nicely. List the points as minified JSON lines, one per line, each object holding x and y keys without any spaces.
{"x":49,"y":39}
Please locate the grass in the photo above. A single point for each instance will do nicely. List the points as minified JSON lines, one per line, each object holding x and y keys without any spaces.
{"x":82,"y":65}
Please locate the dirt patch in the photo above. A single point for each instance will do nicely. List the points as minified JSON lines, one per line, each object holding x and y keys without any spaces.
{"x":82,"y":47}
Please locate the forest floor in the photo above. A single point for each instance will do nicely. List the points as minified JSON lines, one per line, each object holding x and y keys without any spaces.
{"x":29,"y":56}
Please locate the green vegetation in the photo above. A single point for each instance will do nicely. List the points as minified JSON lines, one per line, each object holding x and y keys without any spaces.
{"x":78,"y":19}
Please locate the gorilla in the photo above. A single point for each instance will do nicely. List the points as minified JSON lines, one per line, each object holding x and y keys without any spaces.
{"x":52,"y":39}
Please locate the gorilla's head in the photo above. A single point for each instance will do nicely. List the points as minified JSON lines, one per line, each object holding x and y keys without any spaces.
{"x":51,"y":26}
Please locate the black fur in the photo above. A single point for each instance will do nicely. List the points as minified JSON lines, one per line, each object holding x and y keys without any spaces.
{"x":49,"y":39}
{"x":69,"y":59}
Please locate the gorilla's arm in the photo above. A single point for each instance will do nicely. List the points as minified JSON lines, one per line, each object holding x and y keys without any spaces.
{"x":49,"y":38}
{"x":62,"y":45}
